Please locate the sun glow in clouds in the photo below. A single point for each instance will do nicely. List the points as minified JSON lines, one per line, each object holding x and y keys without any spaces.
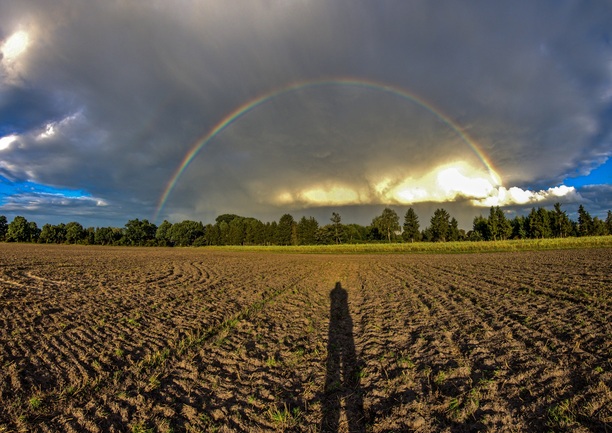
{"x":445,"y":183}
{"x":15,"y":45}
{"x":452,"y":181}
{"x":11,"y":53}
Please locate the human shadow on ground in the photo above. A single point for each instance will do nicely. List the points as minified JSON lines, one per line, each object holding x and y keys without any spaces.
{"x":343,"y":370}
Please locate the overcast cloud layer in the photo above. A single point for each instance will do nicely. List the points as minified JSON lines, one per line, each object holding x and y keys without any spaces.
{"x":101,"y":101}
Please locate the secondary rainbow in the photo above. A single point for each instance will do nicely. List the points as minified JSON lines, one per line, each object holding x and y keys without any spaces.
{"x":294,"y":87}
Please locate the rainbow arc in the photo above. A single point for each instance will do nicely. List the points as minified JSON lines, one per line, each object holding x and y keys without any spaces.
{"x":256,"y":102}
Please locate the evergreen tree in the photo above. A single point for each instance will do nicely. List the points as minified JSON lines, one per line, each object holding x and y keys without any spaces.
{"x":3,"y":227}
{"x":411,"y":226}
{"x":480,"y":229}
{"x":598,"y":227}
{"x":560,"y":223}
{"x":498,"y":225}
{"x":608,"y":223}
{"x":307,"y":231}
{"x":284,"y":230}
{"x":270,"y":233}
{"x":454,"y":233}
{"x":337,"y":226}
{"x":440,"y":226}
{"x":539,"y":224}
{"x":585,"y":222}
{"x":519,"y":227}
{"x":255,"y":232}
{"x":237,"y":231}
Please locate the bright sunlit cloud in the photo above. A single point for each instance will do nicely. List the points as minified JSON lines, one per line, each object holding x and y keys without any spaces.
{"x":447,"y":183}
{"x":336,"y":195}
{"x":15,"y":45}
{"x":518,"y":196}
{"x":5,"y":142}
{"x":444,"y":183}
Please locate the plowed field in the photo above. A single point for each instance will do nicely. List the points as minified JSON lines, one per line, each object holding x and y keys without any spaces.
{"x":97,"y":339}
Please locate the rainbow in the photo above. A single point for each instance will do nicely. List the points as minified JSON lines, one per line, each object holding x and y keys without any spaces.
{"x":294,"y":87}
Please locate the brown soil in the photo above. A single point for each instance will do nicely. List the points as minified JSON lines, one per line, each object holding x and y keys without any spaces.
{"x":99,"y":339}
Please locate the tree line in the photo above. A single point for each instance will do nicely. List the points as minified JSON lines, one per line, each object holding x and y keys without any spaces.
{"x":231,"y":229}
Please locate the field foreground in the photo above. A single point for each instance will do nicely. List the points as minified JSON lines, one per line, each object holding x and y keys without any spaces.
{"x":96,"y":339}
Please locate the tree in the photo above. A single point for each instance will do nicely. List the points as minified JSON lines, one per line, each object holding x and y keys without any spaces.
{"x":355,"y":233}
{"x":284,"y":230}
{"x":387,"y":223}
{"x":33,"y":231}
{"x":227,"y":217}
{"x":373,"y":234}
{"x":162,"y":235}
{"x":3,"y":227}
{"x":337,"y":225}
{"x":18,"y":230}
{"x":255,"y":232}
{"x":186,"y":232}
{"x":212,"y":234}
{"x":325,"y":235}
{"x":560,"y":223}
{"x":411,"y":226}
{"x":54,"y":234}
{"x":139,"y":232}
{"x":47,"y":235}
{"x":90,"y":235}
{"x":499,"y":227}
{"x":107,"y":235}
{"x":608,"y":223}
{"x":598,"y":227}
{"x":74,"y":232}
{"x":307,"y":231}
{"x":539,"y":223}
{"x":237,"y":231}
{"x":454,"y":233}
{"x":520,"y":227}
{"x":270,"y":233}
{"x":440,"y":225}
{"x":480,"y":229}
{"x":585,"y":222}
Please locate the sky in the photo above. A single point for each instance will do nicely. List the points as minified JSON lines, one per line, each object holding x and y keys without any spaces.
{"x":115,"y":110}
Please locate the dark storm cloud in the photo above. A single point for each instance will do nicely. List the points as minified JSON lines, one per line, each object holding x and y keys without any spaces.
{"x":110,"y":96}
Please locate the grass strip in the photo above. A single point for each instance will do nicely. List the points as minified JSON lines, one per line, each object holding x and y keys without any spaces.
{"x":430,"y":247}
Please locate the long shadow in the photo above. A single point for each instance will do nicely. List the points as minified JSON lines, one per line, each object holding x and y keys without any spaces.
{"x":342,"y":380}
